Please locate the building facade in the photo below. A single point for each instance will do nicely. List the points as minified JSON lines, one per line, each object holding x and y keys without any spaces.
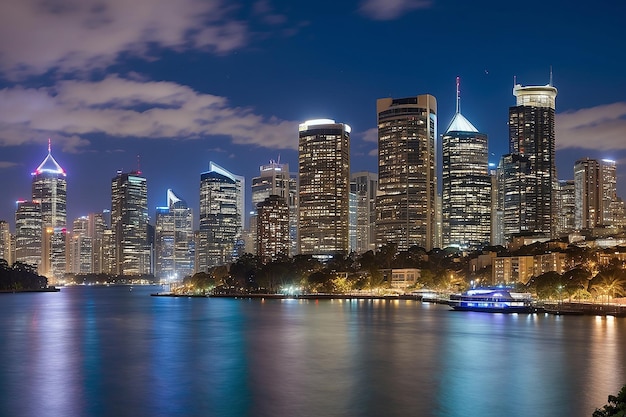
{"x":365,"y":185}
{"x":273,"y":236}
{"x":28,"y":233}
{"x":566,"y":207}
{"x":129,"y":223}
{"x":466,"y":185}
{"x":595,"y":184}
{"x":174,"y":239}
{"x":6,"y":248}
{"x":324,"y":187}
{"x":407,"y":182}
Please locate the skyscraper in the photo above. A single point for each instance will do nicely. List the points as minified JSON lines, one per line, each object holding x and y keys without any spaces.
{"x":595,"y":192}
{"x":174,"y":242}
{"x":221,"y":206}
{"x":407,"y":182}
{"x":49,"y":188}
{"x":129,"y":223}
{"x":566,"y":207}
{"x":28,"y":233}
{"x":275,"y":179}
{"x":272,"y":228}
{"x":324,"y":187}
{"x":6,"y":250}
{"x":466,"y":197}
{"x":531,"y":135}
{"x":365,"y":186}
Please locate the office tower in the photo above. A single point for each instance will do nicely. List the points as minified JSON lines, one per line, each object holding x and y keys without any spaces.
{"x":466,"y":185}
{"x":407,"y":182}
{"x":129,"y":223}
{"x":6,"y":249}
{"x":566,"y":207}
{"x":49,"y":188}
{"x":272,"y":228}
{"x":240,"y":187}
{"x":174,"y":242}
{"x":531,"y":135}
{"x":220,"y":218}
{"x":365,"y":185}
{"x":28,"y":233}
{"x":352,"y":222}
{"x":513,"y":170}
{"x":497,"y":212}
{"x":275,"y":179}
{"x":81,"y":257}
{"x":324,"y":187}
{"x":595,"y":192}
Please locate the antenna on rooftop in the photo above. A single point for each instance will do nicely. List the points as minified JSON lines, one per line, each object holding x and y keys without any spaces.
{"x":138,"y":164}
{"x":514,"y":80}
{"x":49,"y":146}
{"x":550,"y":75}
{"x":458,"y":94}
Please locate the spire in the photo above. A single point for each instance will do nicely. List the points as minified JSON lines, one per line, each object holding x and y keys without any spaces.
{"x":460,"y":123}
{"x":49,"y":164}
{"x":458,"y":95}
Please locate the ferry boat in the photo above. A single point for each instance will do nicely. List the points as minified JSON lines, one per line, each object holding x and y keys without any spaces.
{"x":491,"y":300}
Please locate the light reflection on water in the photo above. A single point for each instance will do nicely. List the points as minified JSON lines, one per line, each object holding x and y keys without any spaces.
{"x":113,"y":352}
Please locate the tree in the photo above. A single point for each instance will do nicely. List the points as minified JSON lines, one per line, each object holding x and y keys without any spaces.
{"x":616,"y":406}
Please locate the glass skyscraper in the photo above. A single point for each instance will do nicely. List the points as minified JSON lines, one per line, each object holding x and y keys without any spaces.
{"x":324,"y":187}
{"x":174,"y":240}
{"x":129,"y":223}
{"x":595,"y":192}
{"x":407,"y":182}
{"x":466,"y":196}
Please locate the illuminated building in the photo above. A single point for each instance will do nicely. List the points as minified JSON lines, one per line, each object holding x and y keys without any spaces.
{"x":81,"y":256}
{"x":530,"y":205}
{"x":352,"y":222}
{"x":466,"y":185}
{"x":275,"y":179}
{"x":566,"y":207}
{"x":175,"y":249}
{"x":272,"y":228}
{"x":407,"y":182}
{"x":49,"y":188}
{"x":129,"y":223}
{"x":28,"y":233}
{"x":324,"y":187}
{"x":6,"y":248}
{"x":365,"y":185}
{"x":595,"y":192}
{"x":221,"y":206}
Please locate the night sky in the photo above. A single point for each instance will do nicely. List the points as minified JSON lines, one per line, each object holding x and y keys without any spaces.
{"x":167,"y":86}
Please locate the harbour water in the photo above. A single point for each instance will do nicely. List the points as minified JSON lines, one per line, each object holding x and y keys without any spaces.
{"x":110,"y":351}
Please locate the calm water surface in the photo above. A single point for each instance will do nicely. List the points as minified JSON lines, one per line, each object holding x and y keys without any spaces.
{"x":108,"y":351}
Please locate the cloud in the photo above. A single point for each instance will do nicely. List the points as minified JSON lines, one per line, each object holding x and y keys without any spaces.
{"x":391,"y":9}
{"x":79,"y":35}
{"x":119,"y":107}
{"x":7,"y":164}
{"x":598,"y":128}
{"x":370,"y":135}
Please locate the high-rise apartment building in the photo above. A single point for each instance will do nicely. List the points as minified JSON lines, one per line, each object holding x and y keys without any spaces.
{"x":365,"y":186}
{"x":531,"y":204}
{"x":595,"y":192}
{"x":275,"y":179}
{"x":566,"y":207}
{"x":174,"y":240}
{"x":466,"y":185}
{"x":221,"y":206}
{"x":407,"y":182}
{"x":129,"y":223}
{"x":81,"y":257}
{"x":28,"y":233}
{"x":272,"y":228}
{"x":324,"y":187}
{"x":49,"y":188}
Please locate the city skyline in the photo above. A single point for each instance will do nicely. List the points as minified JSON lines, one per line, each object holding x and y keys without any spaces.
{"x":175,"y":89}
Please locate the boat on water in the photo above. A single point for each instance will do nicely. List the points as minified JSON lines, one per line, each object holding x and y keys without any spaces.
{"x":491,"y":300}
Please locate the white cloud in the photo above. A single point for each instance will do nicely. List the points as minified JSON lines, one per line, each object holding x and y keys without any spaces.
{"x":598,"y":128}
{"x":71,"y":35}
{"x":391,"y":9}
{"x":370,"y":135}
{"x":7,"y":164}
{"x":121,"y":107}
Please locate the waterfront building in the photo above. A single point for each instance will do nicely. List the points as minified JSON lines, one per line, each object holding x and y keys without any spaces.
{"x":6,"y":248}
{"x":529,"y":201}
{"x":352,"y":222}
{"x":174,"y":241}
{"x":324,"y":187}
{"x":28,"y":233}
{"x":220,"y":218}
{"x":401,"y":279}
{"x":129,"y":223}
{"x":595,"y":192}
{"x":566,"y":207}
{"x":49,"y":188}
{"x":275,"y":179}
{"x":273,"y":238}
{"x":466,"y":185}
{"x":81,"y":256}
{"x":365,"y":185}
{"x":407,"y":182}
{"x":497,"y":211}
{"x":512,"y":269}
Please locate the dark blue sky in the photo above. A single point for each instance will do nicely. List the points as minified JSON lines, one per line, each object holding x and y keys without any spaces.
{"x":182,"y":83}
